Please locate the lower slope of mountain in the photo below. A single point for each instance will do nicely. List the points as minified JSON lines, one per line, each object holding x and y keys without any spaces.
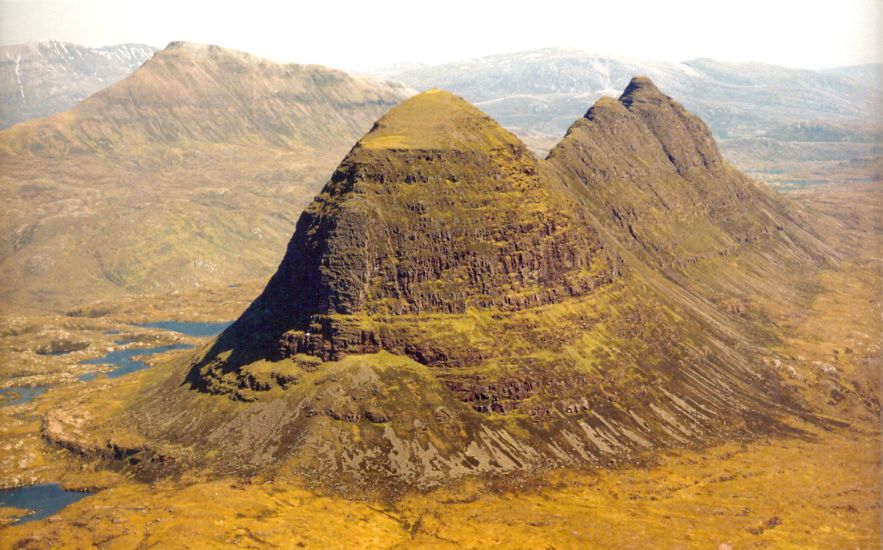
{"x":40,"y":79}
{"x":449,"y":306}
{"x":189,"y":172}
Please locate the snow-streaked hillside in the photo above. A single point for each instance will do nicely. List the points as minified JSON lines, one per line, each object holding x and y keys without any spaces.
{"x":39,"y":79}
{"x":544,"y":90}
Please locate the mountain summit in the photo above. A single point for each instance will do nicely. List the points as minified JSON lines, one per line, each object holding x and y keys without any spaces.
{"x":437,"y":120}
{"x":449,"y":305}
{"x":684,"y":137}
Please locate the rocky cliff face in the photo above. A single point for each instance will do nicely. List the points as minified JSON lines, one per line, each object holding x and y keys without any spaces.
{"x":449,"y":306}
{"x":437,"y":210}
{"x":41,"y":79}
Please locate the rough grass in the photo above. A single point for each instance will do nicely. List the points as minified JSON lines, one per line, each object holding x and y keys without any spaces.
{"x":765,"y":494}
{"x":437,"y":120}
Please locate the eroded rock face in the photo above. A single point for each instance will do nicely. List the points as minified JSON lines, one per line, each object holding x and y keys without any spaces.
{"x":453,"y":218}
{"x":449,"y":305}
{"x":685,"y":139}
{"x":650,"y":171}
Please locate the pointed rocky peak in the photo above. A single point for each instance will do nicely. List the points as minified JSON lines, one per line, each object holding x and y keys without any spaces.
{"x":642,"y":89}
{"x":685,"y":138}
{"x":610,"y":143}
{"x":438,"y":120}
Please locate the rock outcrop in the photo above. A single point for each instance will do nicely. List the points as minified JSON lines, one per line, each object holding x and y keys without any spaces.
{"x":437,"y":210}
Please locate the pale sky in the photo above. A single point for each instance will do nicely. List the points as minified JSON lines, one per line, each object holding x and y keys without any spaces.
{"x":370,"y":34}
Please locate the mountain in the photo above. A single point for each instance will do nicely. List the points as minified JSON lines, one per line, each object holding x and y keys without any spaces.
{"x":189,"y":172}
{"x":870,"y":73}
{"x":40,"y":79}
{"x":544,"y":90}
{"x":826,"y":132}
{"x":449,"y":305}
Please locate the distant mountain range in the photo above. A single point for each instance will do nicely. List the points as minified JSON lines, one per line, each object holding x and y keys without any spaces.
{"x":870,"y":74}
{"x":40,"y":79}
{"x":191,"y":171}
{"x":544,"y":90}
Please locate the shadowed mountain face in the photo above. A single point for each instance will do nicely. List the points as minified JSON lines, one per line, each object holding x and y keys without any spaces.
{"x":142,"y":186}
{"x":40,"y":79}
{"x":450,"y":306}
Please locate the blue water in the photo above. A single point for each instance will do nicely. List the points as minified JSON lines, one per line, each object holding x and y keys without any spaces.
{"x":125,"y":362}
{"x":23,"y":395}
{"x":123,"y":359}
{"x":45,"y":499}
{"x":199,"y":330}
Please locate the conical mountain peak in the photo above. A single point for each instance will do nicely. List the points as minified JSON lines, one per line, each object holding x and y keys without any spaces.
{"x":630,"y":125}
{"x":437,"y":119}
{"x":641,"y":88}
{"x":437,"y":210}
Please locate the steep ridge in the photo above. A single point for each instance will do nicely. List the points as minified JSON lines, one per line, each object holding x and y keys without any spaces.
{"x":650,"y":171}
{"x":538,"y":93}
{"x":194,"y":135}
{"x":40,"y":79}
{"x":450,"y":306}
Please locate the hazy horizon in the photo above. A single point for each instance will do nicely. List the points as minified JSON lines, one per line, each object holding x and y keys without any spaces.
{"x":363,"y":37}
